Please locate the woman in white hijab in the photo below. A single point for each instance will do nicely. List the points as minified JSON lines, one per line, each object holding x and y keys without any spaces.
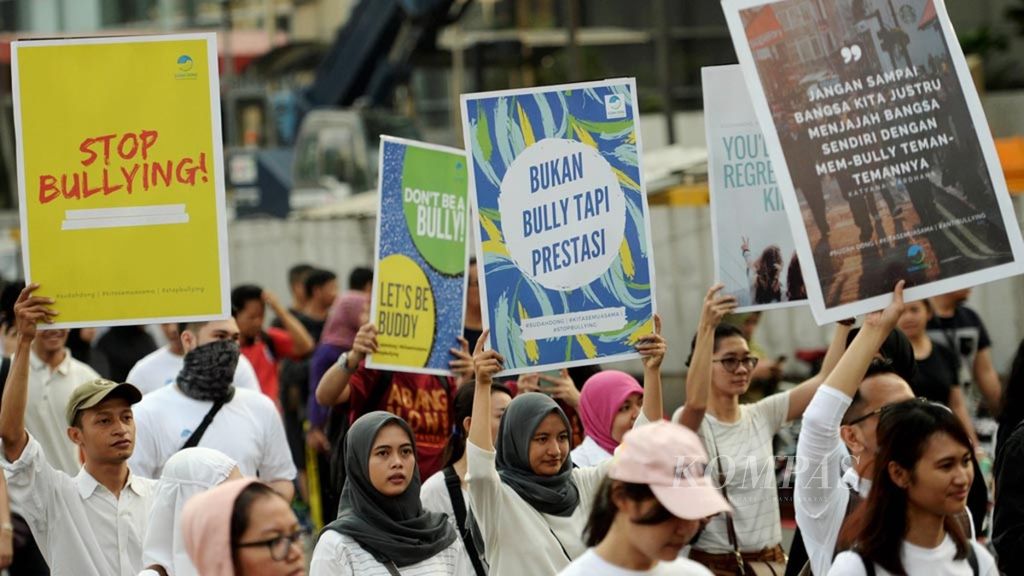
{"x":187,"y":473}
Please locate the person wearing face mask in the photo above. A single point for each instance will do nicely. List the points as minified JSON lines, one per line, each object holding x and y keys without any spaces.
{"x":609,"y":406}
{"x":909,"y":523}
{"x":243,"y":528}
{"x":529,"y":501}
{"x":652,"y":504}
{"x":382,"y":528}
{"x":203,"y":408}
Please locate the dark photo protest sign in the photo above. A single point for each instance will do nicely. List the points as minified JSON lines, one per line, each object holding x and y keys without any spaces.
{"x":891,"y":172}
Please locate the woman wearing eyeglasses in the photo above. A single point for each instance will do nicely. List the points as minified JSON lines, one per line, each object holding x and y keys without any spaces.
{"x":243,"y":528}
{"x":382,"y":528}
{"x":739,"y":438}
{"x":909,"y":522}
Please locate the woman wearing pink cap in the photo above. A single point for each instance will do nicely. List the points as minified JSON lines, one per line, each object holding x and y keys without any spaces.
{"x":653,"y":502}
{"x":243,"y":528}
{"x":609,"y":406}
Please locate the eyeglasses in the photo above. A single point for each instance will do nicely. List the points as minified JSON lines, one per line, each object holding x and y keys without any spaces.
{"x":733,"y":364}
{"x":884,"y":409}
{"x":279,"y":546}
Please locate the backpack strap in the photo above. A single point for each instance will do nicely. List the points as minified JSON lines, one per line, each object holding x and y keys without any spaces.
{"x":454,"y":485}
{"x":972,"y":559}
{"x":197,"y":434}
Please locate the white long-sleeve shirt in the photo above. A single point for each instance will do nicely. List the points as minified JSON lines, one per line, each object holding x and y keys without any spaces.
{"x":82,"y":529}
{"x":820,"y":497}
{"x":822,"y":491}
{"x":517,"y":538}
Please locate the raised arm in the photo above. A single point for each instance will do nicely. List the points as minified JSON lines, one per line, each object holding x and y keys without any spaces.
{"x":333,"y":387}
{"x":6,"y":530}
{"x":29,"y":310}
{"x":302,"y":342}
{"x":487,"y":363}
{"x":698,"y":376}
{"x":652,"y":350}
{"x":850,"y":370}
{"x":801,"y":396}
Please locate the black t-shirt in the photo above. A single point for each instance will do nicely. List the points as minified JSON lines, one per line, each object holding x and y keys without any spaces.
{"x":963,"y":333}
{"x":471,"y":335}
{"x":936,"y":375}
{"x":313,"y":326}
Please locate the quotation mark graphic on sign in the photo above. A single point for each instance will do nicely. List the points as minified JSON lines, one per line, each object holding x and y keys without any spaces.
{"x":851,"y":54}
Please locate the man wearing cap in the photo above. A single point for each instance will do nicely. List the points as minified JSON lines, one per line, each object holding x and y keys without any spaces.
{"x":243,"y":424}
{"x":92,"y":523}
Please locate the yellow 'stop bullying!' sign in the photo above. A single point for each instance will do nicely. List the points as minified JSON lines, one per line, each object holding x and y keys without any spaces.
{"x":121,"y":177}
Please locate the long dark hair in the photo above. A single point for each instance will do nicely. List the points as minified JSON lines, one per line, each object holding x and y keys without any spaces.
{"x":463,"y":408}
{"x":795,"y":287}
{"x":768,"y":268}
{"x":603,"y":513}
{"x":240,"y":513}
{"x":879,"y":524}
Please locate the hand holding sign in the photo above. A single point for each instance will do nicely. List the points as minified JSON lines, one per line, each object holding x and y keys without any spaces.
{"x":30,"y":310}
{"x":365,"y":342}
{"x":486,"y":363}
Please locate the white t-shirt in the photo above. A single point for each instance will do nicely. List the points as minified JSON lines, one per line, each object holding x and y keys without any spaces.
{"x":248,"y":429}
{"x":744,"y":449}
{"x":591,"y":564}
{"x":589,"y":453}
{"x":435,"y":498}
{"x":434,"y":495}
{"x":916,"y":560}
{"x":160,"y":368}
{"x":517,"y":538}
{"x":339,"y":555}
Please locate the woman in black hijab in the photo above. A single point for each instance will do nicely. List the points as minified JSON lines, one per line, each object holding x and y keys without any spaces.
{"x":530,"y":503}
{"x":382,"y":528}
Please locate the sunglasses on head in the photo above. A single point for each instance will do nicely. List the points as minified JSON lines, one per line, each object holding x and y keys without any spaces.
{"x":880,"y":411}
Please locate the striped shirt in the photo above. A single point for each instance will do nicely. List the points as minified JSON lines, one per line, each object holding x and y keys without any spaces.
{"x":744,"y":453}
{"x":339,"y":555}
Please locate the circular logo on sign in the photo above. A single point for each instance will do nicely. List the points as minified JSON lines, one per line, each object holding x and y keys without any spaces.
{"x":405,"y":313}
{"x":563,"y":213}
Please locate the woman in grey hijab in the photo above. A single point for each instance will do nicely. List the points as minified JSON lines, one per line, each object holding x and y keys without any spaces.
{"x":382,"y":528}
{"x":529,"y":501}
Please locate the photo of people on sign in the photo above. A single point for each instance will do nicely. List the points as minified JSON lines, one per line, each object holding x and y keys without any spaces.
{"x":890,"y":167}
{"x":422,"y":252}
{"x":568,"y":276}
{"x":755,"y":257}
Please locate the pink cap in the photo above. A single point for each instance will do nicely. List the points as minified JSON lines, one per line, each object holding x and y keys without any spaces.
{"x":206,"y":527}
{"x":671,"y":460}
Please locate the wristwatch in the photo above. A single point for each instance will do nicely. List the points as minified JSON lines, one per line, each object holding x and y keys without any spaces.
{"x":343,"y":363}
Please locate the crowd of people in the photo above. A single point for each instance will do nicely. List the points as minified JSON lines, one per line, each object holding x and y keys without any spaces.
{"x":248,"y":448}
